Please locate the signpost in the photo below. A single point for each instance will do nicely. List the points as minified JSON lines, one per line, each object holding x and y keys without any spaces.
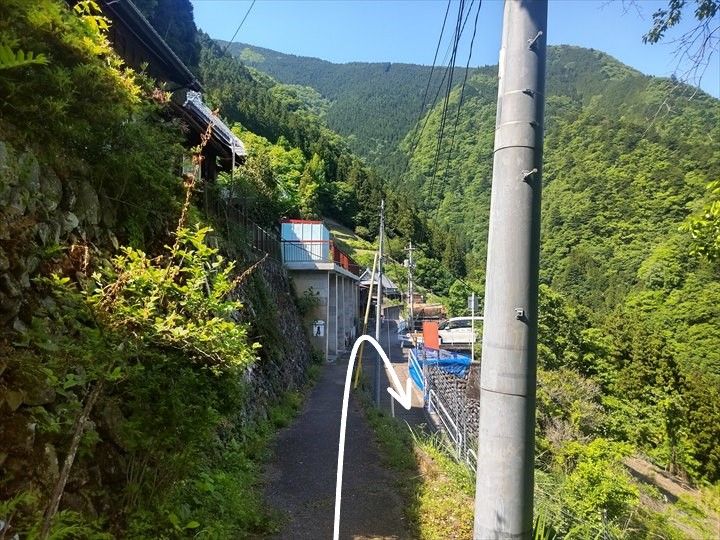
{"x":318,"y":328}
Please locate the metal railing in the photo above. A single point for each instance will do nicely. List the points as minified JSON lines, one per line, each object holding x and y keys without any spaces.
{"x":296,"y":251}
{"x":228,"y":213}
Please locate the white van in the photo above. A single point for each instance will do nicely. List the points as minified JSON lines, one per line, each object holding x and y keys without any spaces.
{"x":458,"y":331}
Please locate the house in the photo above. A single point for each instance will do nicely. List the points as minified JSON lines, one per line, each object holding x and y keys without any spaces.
{"x":142,"y":48}
{"x":326,"y":280}
{"x":389,"y":289}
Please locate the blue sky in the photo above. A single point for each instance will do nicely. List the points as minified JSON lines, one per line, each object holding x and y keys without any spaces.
{"x":407,"y":30}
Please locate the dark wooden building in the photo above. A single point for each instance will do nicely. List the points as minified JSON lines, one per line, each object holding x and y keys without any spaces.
{"x":142,"y":48}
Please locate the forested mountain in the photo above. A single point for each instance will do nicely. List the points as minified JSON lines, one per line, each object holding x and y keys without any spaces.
{"x":348,"y":190}
{"x":372,"y":104}
{"x":627,"y":160}
{"x":628,"y":310}
{"x":143,"y":357}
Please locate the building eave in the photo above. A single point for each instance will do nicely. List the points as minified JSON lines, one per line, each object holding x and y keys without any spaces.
{"x":309,"y":266}
{"x":162,"y":58}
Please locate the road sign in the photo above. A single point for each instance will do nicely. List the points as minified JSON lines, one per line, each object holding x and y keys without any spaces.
{"x":318,"y":328}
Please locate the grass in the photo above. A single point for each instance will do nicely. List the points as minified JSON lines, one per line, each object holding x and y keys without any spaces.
{"x":223,"y":498}
{"x":438,"y":491}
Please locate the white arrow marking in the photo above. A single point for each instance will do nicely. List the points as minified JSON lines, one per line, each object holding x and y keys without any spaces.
{"x":404,"y":398}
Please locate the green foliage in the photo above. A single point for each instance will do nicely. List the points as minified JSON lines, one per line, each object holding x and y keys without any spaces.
{"x":597,"y":490}
{"x":90,"y":116}
{"x":182,"y":304}
{"x":569,"y":408}
{"x":13,"y":59}
{"x":21,"y":515}
{"x":373,"y":104}
{"x":566,"y":337}
{"x":432,"y":275}
{"x":90,"y":12}
{"x":438,"y":490}
{"x":705,"y":226}
{"x":458,"y":295}
{"x":336,"y":183}
{"x":664,"y":19}
{"x":279,"y":181}
{"x":162,"y":334}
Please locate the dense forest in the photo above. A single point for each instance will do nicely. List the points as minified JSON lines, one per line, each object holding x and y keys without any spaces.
{"x":392,"y":94}
{"x":127,"y":332}
{"x":629,"y":339}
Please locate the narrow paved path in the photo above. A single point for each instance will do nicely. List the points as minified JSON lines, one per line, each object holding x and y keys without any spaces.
{"x":300,"y":480}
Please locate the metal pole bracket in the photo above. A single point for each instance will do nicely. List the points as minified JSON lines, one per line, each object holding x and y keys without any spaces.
{"x":532,"y":42}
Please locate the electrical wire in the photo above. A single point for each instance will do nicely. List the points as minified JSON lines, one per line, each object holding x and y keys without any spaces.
{"x":462,"y":97}
{"x":416,"y":137}
{"x":448,"y":89}
{"x":239,"y":27}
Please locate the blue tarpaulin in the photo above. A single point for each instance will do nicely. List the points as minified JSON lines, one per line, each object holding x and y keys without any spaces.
{"x":451,"y":362}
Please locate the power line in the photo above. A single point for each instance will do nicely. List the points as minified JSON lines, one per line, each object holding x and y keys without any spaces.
{"x":239,"y":27}
{"x":417,"y":136}
{"x":448,"y":89}
{"x":432,"y":69}
{"x":462,"y":97}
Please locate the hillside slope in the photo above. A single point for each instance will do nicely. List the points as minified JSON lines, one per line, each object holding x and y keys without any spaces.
{"x":627,"y":159}
{"x":374,"y":104}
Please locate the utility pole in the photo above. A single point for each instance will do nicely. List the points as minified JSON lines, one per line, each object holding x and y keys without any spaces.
{"x":504,"y":493}
{"x":411,"y":296}
{"x":378,"y":307}
{"x":472,"y":326}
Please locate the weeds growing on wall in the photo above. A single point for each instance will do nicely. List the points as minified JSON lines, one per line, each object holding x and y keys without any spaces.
{"x":155,"y":342}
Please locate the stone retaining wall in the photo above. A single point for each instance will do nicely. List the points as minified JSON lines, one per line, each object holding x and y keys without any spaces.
{"x":42,"y":215}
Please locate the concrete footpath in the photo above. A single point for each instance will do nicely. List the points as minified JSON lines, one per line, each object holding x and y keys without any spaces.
{"x":300,"y":479}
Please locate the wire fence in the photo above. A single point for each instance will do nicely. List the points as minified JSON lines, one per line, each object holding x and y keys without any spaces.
{"x":457,"y":415}
{"x":446,"y":397}
{"x":234,"y":218}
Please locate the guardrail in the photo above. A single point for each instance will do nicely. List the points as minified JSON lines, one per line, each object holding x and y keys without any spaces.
{"x":445,"y":396}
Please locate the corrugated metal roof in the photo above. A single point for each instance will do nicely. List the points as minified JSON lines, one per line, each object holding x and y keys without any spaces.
{"x":388,"y":285}
{"x":193,"y":103}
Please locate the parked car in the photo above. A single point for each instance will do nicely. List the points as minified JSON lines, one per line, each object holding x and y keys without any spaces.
{"x":458,"y":331}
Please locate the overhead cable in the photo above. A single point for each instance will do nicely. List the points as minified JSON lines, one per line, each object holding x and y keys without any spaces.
{"x":462,"y":97}
{"x":448,"y":89}
{"x":239,"y":27}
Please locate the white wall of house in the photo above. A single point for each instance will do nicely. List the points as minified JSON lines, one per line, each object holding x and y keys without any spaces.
{"x":337,"y":307}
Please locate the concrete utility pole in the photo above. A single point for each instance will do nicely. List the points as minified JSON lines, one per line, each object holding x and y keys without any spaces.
{"x":378,"y":307}
{"x":504,"y":495}
{"x":411,"y":296}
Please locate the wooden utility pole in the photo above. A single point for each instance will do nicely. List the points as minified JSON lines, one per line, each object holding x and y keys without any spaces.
{"x":504,"y":492}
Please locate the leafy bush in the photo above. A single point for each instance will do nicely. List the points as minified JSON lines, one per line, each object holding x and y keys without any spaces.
{"x":160,"y":332}
{"x":181,"y":303}
{"x":87,"y":114}
{"x":597,"y":490}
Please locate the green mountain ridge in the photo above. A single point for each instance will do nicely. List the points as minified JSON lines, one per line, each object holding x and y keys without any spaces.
{"x":627,"y":159}
{"x":393,"y":91}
